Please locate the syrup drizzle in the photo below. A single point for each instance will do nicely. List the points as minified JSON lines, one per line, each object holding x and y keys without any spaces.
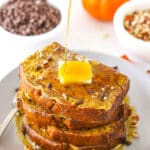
{"x":67,"y":28}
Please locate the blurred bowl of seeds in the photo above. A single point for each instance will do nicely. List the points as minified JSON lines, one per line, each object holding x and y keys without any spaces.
{"x":132,"y":27}
{"x":31,"y":23}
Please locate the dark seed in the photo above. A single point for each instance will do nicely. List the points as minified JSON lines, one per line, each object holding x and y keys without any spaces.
{"x":103,"y":97}
{"x":57,"y":48}
{"x":38,"y":67}
{"x":49,"y":58}
{"x":16,"y":90}
{"x":23,"y":129}
{"x":29,"y":100}
{"x":49,"y":86}
{"x":79,"y":102}
{"x":115,"y":67}
{"x":125,"y":141}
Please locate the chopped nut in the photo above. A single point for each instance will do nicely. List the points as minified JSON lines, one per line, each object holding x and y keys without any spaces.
{"x":135,"y":135}
{"x":57,"y":48}
{"x":64,"y":96}
{"x":49,"y":58}
{"x":26,"y":147}
{"x":136,"y":118}
{"x":40,"y":77}
{"x":45,"y":63}
{"x":133,"y":123}
{"x":36,"y":147}
{"x":38,"y":92}
{"x":112,"y":87}
{"x":103,"y":89}
{"x":96,"y":93}
{"x":105,"y":98}
{"x":18,"y":113}
{"x":43,"y":130}
{"x":40,"y":54}
{"x":137,"y":24}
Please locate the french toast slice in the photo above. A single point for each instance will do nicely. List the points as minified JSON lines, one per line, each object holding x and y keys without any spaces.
{"x":46,"y":143}
{"x":93,"y":103}
{"x":84,"y":137}
{"x":42,"y":117}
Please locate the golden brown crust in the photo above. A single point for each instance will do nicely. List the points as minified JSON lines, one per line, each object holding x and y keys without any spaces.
{"x":43,"y":117}
{"x":86,"y":137}
{"x":41,"y":141}
{"x":69,"y":117}
{"x":53,"y":99}
{"x":47,"y":144}
{"x":82,"y":114}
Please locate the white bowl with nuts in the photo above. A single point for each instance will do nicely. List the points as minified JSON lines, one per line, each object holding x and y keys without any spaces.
{"x":31,"y":24}
{"x":132,"y":27}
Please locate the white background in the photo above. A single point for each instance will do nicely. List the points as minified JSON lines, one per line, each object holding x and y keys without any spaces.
{"x":86,"y":33}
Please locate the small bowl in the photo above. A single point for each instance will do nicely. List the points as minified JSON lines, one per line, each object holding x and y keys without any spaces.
{"x":136,"y":47}
{"x":29,"y":44}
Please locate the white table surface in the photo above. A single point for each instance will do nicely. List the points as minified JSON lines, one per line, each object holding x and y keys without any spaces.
{"x":86,"y":34}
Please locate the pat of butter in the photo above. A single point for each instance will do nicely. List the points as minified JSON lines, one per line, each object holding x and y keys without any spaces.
{"x":78,"y":72}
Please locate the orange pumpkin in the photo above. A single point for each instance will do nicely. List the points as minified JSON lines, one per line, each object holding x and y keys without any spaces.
{"x":102,"y":9}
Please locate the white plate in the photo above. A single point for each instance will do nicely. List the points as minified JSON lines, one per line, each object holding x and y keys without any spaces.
{"x":139,"y":94}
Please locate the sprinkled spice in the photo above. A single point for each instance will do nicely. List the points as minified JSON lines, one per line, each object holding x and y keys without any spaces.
{"x":29,"y":17}
{"x":138,"y":24}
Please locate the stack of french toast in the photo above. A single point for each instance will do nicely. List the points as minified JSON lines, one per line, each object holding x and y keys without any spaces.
{"x":71,"y":117}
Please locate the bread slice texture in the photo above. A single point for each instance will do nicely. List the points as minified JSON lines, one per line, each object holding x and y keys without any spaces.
{"x":84,"y":137}
{"x":43,"y":141}
{"x":92,"y":103}
{"x":43,"y":117}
